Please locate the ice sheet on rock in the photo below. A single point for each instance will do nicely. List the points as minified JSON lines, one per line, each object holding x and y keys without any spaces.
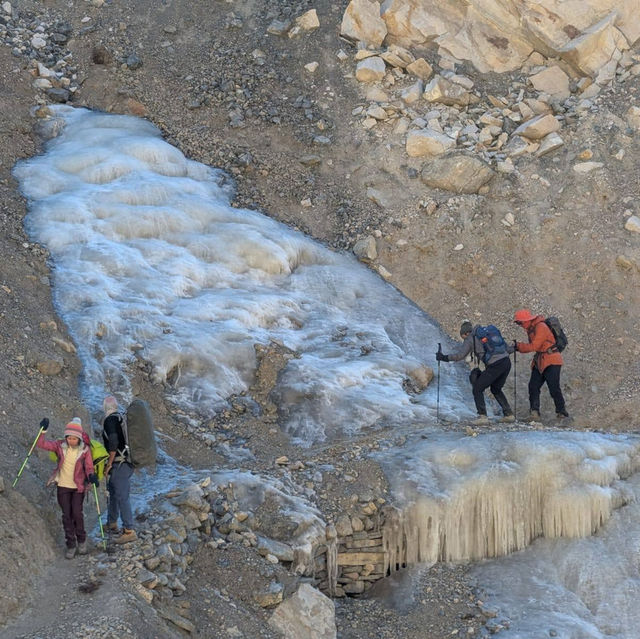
{"x":463,"y":498}
{"x":277,"y":512}
{"x":149,"y":257}
{"x":579,"y":589}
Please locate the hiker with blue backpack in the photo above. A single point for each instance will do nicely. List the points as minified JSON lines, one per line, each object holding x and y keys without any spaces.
{"x":547,"y":340}
{"x":119,"y":470}
{"x":73,"y":472}
{"x":486,"y":344}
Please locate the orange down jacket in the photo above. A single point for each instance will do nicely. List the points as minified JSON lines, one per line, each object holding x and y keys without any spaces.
{"x":541,"y":341}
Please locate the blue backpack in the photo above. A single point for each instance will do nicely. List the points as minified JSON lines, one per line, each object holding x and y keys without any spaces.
{"x":492,"y":341}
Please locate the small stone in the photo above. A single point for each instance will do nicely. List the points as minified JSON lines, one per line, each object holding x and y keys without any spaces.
{"x":311,"y":67}
{"x":458,"y":247}
{"x":282,"y":461}
{"x":633,"y":224}
{"x":413,"y":93}
{"x":133,"y":62}
{"x":365,"y":249}
{"x":553,"y":81}
{"x":50,"y":366}
{"x":271,"y":597}
{"x":6,"y":7}
{"x":272,"y":559}
{"x":624,"y":263}
{"x":632,"y":117}
{"x":342,"y":56}
{"x":278,"y":27}
{"x":549,"y":143}
{"x":38,"y":42}
{"x":587,"y":167}
{"x":538,"y":127}
{"x":308,"y":21}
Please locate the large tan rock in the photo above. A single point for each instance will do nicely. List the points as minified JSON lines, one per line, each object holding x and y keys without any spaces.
{"x":370,"y":70}
{"x":427,"y":142}
{"x":538,"y":127}
{"x":499,"y":35}
{"x":597,"y":46}
{"x":362,"y":22}
{"x":459,"y":173}
{"x":446,"y":92}
{"x":553,"y":81}
{"x":308,"y":614}
{"x":420,"y":68}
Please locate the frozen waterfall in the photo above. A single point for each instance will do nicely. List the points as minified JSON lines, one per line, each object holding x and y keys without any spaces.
{"x":150,"y":257}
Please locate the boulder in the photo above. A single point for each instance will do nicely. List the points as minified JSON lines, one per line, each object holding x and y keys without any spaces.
{"x":496,"y":35}
{"x":308,"y":614}
{"x":538,"y":127}
{"x":427,"y":142}
{"x":397,"y":56}
{"x":446,"y":92}
{"x":459,"y":173}
{"x":553,"y":81}
{"x":370,"y":70}
{"x":420,"y":68}
{"x":595,"y":47}
{"x":362,"y":22}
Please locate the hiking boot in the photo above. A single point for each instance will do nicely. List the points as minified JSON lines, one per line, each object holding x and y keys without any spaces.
{"x":534,"y":416}
{"x":508,"y":419}
{"x":562,"y":414}
{"x":126,"y":536}
{"x":112,"y":527}
{"x":82,"y":548}
{"x":481,"y":420}
{"x":70,"y":553}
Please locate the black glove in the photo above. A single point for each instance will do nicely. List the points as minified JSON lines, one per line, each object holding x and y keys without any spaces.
{"x":441,"y":357}
{"x":44,"y":424}
{"x":93,"y":478}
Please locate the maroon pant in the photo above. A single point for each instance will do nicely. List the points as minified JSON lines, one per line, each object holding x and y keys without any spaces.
{"x":70,"y":501}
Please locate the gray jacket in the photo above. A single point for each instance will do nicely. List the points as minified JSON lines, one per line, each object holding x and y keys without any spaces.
{"x":472,"y":345}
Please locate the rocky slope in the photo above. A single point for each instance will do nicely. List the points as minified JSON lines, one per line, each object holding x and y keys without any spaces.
{"x":348,"y":149}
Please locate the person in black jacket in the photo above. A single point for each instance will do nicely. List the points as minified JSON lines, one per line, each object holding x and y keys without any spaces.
{"x":119,"y":471}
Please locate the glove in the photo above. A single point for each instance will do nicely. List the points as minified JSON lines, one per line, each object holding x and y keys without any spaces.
{"x":93,"y":478}
{"x":441,"y":357}
{"x":44,"y":424}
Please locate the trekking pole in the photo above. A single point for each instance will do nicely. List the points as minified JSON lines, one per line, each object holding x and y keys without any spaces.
{"x":515,"y":391}
{"x":26,"y":459}
{"x":438,"y":392}
{"x":95,"y":494}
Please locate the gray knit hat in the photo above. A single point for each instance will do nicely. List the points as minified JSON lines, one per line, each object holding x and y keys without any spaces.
{"x":465,"y":327}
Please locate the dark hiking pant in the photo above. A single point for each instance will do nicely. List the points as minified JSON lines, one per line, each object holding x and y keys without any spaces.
{"x":70,"y":501}
{"x":118,"y":486}
{"x":550,"y":375}
{"x":494,"y":377}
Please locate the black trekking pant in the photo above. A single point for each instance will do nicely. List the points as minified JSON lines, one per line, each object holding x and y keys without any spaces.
{"x":70,"y":501}
{"x":494,"y":377}
{"x":550,"y":375}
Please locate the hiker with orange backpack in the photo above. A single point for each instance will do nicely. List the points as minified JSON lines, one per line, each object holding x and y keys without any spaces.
{"x":73,"y":471}
{"x":546,"y":364}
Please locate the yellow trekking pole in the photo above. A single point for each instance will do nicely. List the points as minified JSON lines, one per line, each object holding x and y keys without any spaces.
{"x":95,"y":494}
{"x":44,"y":424}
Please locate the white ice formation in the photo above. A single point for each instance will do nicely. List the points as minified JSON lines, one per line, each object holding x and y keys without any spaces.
{"x":468,"y":498}
{"x":150,"y":258}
